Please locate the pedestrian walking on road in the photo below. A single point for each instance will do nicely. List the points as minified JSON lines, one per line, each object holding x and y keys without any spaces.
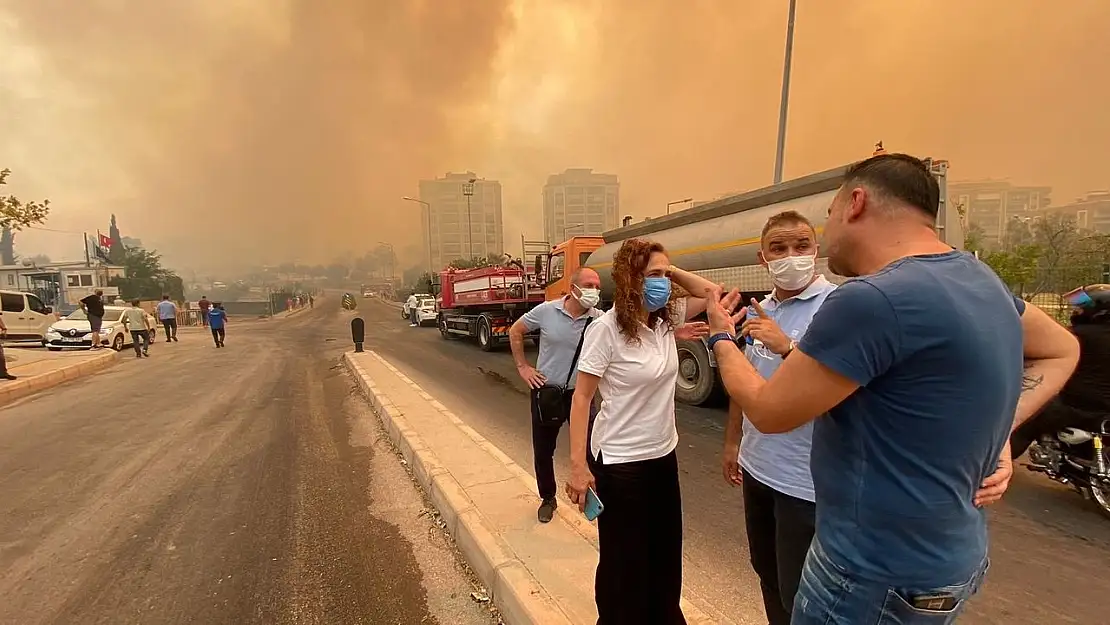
{"x":562,"y":326}
{"x":913,"y":372}
{"x":93,"y":307}
{"x":217,"y":319}
{"x":4,"y":375}
{"x":629,"y":460}
{"x":167,"y":314}
{"x":204,"y":305}
{"x":410,"y":305}
{"x":774,"y":468}
{"x":137,"y":323}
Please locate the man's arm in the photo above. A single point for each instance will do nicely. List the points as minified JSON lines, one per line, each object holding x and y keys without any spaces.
{"x":698,"y":287}
{"x":1051,"y":355}
{"x":516,"y":342}
{"x":529,"y":322}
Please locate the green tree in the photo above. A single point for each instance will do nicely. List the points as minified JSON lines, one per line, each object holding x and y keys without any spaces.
{"x":469,"y":263}
{"x":146,"y":278}
{"x":15,"y":214}
{"x":1017,"y":268}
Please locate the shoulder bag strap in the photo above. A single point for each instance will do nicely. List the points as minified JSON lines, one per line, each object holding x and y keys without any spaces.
{"x":577,"y":351}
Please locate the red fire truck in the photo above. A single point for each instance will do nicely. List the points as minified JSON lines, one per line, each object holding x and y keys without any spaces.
{"x":483,"y":303}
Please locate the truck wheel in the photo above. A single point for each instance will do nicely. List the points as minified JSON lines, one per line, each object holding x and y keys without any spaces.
{"x":485,"y":335}
{"x":696,"y":379}
{"x":442,"y":323}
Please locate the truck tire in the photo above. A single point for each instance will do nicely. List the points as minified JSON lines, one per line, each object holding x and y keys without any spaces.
{"x":441,"y":321}
{"x":485,"y":334}
{"x":697,"y":381}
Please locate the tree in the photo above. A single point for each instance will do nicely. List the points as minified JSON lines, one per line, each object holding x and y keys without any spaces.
{"x":117,"y":253}
{"x":471,"y":263}
{"x":1017,"y":268}
{"x":15,"y":214}
{"x":146,"y":278}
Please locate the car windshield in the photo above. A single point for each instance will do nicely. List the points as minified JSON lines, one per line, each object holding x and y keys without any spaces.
{"x":427,"y":301}
{"x":110,"y":314}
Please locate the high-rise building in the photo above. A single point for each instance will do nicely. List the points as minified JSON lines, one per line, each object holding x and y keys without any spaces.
{"x":580,"y":202}
{"x":449,"y":216}
{"x":991,"y":205}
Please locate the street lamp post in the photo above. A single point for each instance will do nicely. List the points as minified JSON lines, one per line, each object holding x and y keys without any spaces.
{"x":468,"y":190}
{"x":785,"y":92}
{"x":670,"y":204}
{"x":392,"y":259}
{"x":428,"y":221}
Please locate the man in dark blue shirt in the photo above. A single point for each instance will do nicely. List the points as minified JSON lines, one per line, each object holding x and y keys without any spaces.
{"x":918,"y":362}
{"x":217,"y":320}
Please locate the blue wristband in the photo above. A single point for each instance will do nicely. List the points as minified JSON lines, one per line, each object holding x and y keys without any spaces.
{"x":720,"y":336}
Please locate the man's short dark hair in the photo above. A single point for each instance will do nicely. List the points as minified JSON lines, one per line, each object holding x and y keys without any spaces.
{"x":134,"y":302}
{"x":899,"y":176}
{"x":165,"y":297}
{"x":786,"y":218}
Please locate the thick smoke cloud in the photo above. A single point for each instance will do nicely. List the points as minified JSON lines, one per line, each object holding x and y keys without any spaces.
{"x":259,"y":130}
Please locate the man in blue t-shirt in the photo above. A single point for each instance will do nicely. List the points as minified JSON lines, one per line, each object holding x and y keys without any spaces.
{"x":217,"y":320}
{"x":918,"y":362}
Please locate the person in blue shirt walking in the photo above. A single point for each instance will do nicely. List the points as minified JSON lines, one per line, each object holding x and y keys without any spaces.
{"x":167,"y":314}
{"x":774,"y":468}
{"x":217,"y":320}
{"x":912,"y":374}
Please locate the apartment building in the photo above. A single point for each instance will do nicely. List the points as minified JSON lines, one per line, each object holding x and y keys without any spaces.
{"x":580,"y":202}
{"x":462,"y":218}
{"x":991,"y":204}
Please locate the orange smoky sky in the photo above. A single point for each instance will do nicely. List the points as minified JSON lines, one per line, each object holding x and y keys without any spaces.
{"x":235,"y":132}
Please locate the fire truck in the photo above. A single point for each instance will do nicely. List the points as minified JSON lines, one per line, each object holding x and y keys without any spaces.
{"x":483,"y":303}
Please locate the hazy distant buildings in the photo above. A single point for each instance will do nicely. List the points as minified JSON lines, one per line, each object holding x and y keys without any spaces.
{"x":579,"y":202}
{"x":1091,"y":212}
{"x":446,"y":221}
{"x":991,"y":204}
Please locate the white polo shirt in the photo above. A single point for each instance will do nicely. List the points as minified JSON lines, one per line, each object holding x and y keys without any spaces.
{"x":636,"y":419}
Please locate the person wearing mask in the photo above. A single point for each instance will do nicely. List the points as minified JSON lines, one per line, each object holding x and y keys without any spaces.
{"x":628,"y":458}
{"x":204,"y":305}
{"x":137,"y":323}
{"x":917,"y":361}
{"x":93,"y":307}
{"x":167,"y":314}
{"x":774,"y":468}
{"x":217,"y":320}
{"x":4,"y":374}
{"x":562,"y":326}
{"x":1085,"y":400}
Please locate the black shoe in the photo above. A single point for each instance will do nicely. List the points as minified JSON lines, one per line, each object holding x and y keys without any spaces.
{"x":7,"y":376}
{"x":547,"y":510}
{"x":167,"y":340}
{"x":175,"y":339}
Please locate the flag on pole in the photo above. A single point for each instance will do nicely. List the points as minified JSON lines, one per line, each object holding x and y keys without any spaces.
{"x":105,"y":241}
{"x":102,"y":242}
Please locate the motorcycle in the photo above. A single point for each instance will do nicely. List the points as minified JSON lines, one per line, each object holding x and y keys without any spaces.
{"x":1078,"y":458}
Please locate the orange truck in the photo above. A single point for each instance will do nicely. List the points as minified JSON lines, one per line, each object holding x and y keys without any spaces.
{"x":718,"y":240}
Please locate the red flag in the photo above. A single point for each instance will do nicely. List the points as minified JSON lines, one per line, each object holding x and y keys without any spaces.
{"x":105,"y":241}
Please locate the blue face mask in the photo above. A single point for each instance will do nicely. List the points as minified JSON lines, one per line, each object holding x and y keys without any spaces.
{"x":657,"y":292}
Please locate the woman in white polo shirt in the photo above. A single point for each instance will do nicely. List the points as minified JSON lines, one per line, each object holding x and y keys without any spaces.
{"x":629,"y":355}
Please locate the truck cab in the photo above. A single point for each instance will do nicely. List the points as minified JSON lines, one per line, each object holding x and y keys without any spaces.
{"x":561,"y":263}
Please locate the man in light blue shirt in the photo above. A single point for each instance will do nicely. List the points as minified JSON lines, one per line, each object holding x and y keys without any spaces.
{"x":167,"y":314}
{"x":774,"y":468}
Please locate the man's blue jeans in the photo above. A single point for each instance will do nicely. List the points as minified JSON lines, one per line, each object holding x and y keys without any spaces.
{"x":827,"y":595}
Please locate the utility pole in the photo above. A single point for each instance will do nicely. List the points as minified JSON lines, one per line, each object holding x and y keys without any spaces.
{"x":784,"y":100}
{"x":428,"y":223}
{"x":85,"y":240}
{"x":468,"y":191}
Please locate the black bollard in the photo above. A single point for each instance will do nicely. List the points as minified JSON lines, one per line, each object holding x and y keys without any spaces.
{"x":358,"y":333}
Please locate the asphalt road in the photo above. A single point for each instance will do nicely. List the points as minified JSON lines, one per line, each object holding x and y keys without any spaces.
{"x":1049,"y":547}
{"x":243,"y":485}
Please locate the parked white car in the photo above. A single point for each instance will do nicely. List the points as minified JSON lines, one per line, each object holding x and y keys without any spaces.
{"x":425,"y":310}
{"x":25,"y":316}
{"x":420,"y":297}
{"x":74,"y":331}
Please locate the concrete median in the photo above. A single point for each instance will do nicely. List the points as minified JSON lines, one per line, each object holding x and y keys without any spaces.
{"x":535,"y":574}
{"x":48,"y":373}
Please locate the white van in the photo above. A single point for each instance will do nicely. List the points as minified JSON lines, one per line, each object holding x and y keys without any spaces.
{"x":25,"y":316}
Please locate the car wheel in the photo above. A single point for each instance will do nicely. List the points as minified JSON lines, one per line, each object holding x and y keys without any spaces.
{"x":54,"y":349}
{"x":117,"y":343}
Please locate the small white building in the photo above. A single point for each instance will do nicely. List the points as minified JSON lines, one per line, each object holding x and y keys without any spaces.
{"x":62,"y":285}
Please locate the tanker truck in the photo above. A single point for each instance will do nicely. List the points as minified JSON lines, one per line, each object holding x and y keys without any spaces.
{"x":719,"y":240}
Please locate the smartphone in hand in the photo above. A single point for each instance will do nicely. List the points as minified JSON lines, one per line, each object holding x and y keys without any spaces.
{"x":594,"y":507}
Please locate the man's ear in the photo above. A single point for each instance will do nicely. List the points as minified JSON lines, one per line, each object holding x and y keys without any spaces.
{"x":858,"y":204}
{"x":762,"y":261}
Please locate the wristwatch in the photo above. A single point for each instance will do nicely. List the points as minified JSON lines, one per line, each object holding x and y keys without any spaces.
{"x":718,"y":337}
{"x":790,"y":350}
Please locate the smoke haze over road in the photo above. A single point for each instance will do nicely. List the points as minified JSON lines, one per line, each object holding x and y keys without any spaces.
{"x":232,"y":132}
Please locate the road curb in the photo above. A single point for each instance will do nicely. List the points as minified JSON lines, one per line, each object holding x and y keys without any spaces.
{"x":11,"y":391}
{"x":516,"y":592}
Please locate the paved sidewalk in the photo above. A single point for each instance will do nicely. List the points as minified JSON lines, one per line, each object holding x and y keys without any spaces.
{"x":542,"y":574}
{"x":39,"y":369}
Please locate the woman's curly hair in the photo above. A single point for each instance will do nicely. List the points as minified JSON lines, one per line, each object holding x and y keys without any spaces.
{"x":628,"y":298}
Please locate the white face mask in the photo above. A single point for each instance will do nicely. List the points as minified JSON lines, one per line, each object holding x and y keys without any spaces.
{"x":587,"y":297}
{"x":793,"y":272}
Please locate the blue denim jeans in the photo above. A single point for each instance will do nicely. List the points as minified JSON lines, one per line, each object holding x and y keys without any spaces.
{"x":827,"y":595}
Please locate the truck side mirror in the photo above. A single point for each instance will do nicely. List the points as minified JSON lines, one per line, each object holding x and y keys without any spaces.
{"x":541,"y":279}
